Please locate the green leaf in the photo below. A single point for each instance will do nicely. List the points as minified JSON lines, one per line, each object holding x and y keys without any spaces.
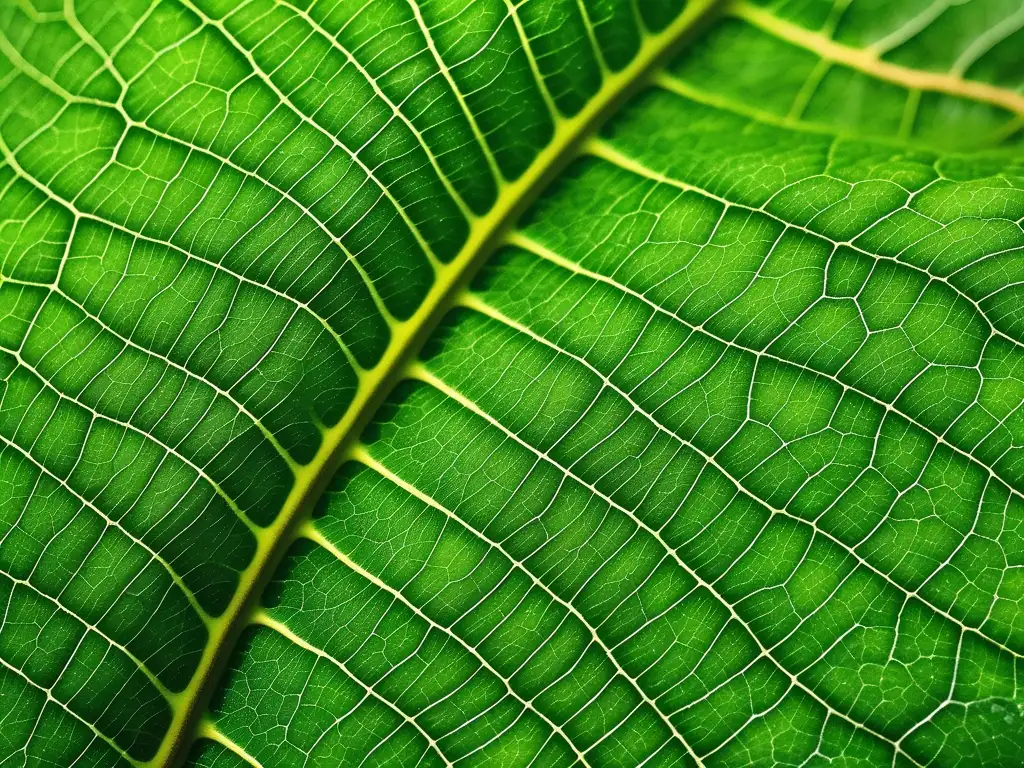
{"x":309,"y":457}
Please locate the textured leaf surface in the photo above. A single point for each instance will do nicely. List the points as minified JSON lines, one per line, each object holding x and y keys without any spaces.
{"x":716,"y":461}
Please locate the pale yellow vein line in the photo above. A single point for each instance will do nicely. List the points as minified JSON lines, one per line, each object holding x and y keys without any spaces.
{"x":164,"y":691}
{"x":986,"y":41}
{"x":210,"y":731}
{"x":396,"y":109}
{"x":265,"y":619}
{"x":542,"y":85}
{"x":869,"y":62}
{"x":353,"y":155}
{"x":478,"y":304}
{"x":48,"y":693}
{"x":311,"y":532}
{"x":177,"y":578}
{"x":169,"y":449}
{"x":361,"y":454}
{"x":421,"y":372}
{"x":606,"y":151}
{"x":595,"y":46}
{"x":492,"y":163}
{"x":688,"y":90}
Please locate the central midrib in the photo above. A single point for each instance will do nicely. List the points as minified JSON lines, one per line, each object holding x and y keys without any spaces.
{"x":407,"y":337}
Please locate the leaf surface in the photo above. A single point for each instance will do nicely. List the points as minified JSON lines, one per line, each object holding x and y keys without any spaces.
{"x":717,"y":459}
